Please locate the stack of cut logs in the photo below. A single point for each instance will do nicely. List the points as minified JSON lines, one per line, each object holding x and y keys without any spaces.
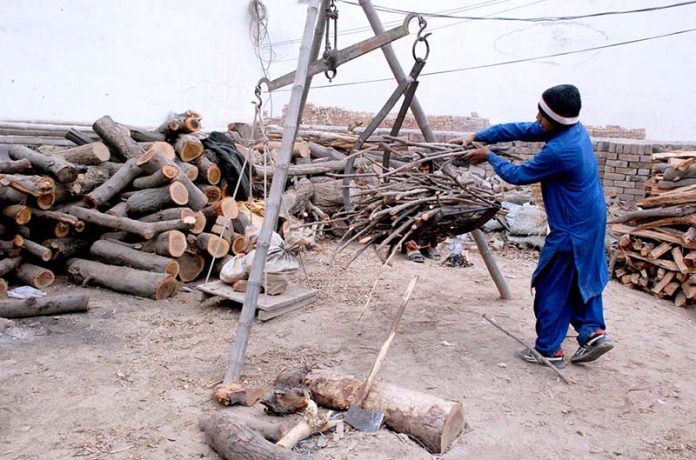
{"x":126,"y":215}
{"x":656,"y":249}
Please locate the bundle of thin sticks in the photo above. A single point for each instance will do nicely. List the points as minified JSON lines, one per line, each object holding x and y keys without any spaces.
{"x":423,"y":200}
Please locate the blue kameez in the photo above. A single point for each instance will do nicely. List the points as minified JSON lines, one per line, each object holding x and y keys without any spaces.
{"x":572,"y":269}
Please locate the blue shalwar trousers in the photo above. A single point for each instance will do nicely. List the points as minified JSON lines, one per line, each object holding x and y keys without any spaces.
{"x":558,"y":304}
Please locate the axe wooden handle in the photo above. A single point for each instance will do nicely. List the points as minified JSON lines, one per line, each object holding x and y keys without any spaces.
{"x":365,"y":389}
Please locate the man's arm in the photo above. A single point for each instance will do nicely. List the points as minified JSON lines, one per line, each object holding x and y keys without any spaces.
{"x":528,"y":132}
{"x":544,"y":166}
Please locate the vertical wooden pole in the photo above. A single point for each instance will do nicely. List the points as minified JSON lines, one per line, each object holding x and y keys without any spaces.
{"x":280,"y":174}
{"x":493,"y":269}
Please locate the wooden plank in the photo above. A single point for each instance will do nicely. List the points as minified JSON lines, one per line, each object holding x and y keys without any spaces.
{"x":264,"y":315}
{"x":663,"y":283}
{"x":268,"y":303}
{"x":679,"y":260}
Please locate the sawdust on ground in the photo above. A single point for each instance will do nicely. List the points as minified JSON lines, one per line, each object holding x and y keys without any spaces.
{"x":130,"y":379}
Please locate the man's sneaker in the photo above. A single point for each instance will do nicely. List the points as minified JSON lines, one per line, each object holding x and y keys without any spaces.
{"x":557,"y":359}
{"x":598,"y":344}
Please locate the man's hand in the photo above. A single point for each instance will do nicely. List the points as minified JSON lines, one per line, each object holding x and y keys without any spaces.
{"x":464,"y":141}
{"x":477,"y":156}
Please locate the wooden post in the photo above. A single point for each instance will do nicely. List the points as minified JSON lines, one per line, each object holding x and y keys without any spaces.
{"x":493,"y":269}
{"x":236,"y":359}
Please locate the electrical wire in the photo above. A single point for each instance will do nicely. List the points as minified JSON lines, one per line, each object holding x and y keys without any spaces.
{"x":537,"y":19}
{"x":516,"y":61}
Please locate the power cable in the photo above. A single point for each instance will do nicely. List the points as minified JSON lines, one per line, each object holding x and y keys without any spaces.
{"x":516,"y":61}
{"x":537,"y":19}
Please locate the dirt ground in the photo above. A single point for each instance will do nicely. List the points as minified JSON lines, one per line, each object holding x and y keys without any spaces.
{"x":130,"y":379}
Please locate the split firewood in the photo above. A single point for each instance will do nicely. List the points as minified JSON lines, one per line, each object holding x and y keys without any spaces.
{"x":55,"y":166}
{"x":117,"y":138}
{"x":680,"y":299}
{"x":116,"y":254}
{"x":313,"y":422}
{"x":189,"y":147}
{"x":282,"y":400}
{"x":44,"y":306}
{"x":233,"y":440}
{"x":35,"y":276}
{"x":90,"y":154}
{"x":232,"y":393}
{"x":123,"y":279}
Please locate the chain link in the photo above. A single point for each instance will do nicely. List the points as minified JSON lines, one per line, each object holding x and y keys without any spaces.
{"x":330,"y":48}
{"x":421,"y":38}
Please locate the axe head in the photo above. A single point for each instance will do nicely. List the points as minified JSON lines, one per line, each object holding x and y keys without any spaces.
{"x":364,"y":420}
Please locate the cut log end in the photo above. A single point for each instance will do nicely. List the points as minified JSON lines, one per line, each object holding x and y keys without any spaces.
{"x":200,"y":224}
{"x":19,"y":213}
{"x":213,"y":175}
{"x":227,"y":207}
{"x":46,"y":200}
{"x":190,"y":266}
{"x":178,"y":193}
{"x":165,"y":288}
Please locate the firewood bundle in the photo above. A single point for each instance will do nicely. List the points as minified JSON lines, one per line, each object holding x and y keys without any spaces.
{"x":656,"y":249}
{"x":126,"y":215}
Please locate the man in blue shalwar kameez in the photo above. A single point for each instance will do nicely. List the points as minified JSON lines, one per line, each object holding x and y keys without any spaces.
{"x":572,"y":269}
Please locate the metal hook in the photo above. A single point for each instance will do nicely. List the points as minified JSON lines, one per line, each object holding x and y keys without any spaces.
{"x":421,"y":38}
{"x":257,"y":93}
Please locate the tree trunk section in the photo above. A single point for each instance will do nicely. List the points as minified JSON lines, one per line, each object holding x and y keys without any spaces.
{"x":123,"y":279}
{"x":188,"y":147}
{"x":78,"y":138}
{"x":117,"y":138}
{"x":53,"y":165}
{"x":150,"y":200}
{"x":114,"y":185}
{"x":209,"y":170}
{"x":31,"y":185}
{"x":35,"y":276}
{"x":168,"y":214}
{"x":116,"y":254}
{"x":153,"y":160}
{"x":66,"y":247}
{"x":44,"y":306}
{"x":191,"y":266}
{"x":190,"y":170}
{"x":143,"y":229}
{"x":20,"y":214}
{"x":22,"y":166}
{"x":295,"y":199}
{"x":236,"y":441}
{"x":213,"y":193}
{"x":168,"y":244}
{"x":9,"y":264}
{"x":164,"y":176}
{"x":40,"y":252}
{"x":10,"y":195}
{"x":91,"y":154}
{"x":213,"y":244}
{"x":434,"y":422}
{"x":119,"y":210}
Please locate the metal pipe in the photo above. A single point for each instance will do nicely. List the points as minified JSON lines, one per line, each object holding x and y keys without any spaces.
{"x":241,"y":339}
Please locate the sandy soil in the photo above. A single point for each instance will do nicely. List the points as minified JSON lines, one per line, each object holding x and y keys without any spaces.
{"x":129,"y":379}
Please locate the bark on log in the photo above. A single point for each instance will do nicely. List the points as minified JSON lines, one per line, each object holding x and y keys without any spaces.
{"x":114,"y":185}
{"x":123,"y":279}
{"x":164,"y":176}
{"x":29,"y":184}
{"x":226,"y":207}
{"x":188,"y":147}
{"x":20,"y":214}
{"x":16,"y":166}
{"x":304,"y":169}
{"x":9,"y":264}
{"x":11,"y":248}
{"x":320,"y":151}
{"x":55,"y":166}
{"x":269,"y":427}
{"x":295,"y":199}
{"x":10,"y":195}
{"x":213,"y":193}
{"x":66,"y":247}
{"x":328,"y":194}
{"x":44,"y":306}
{"x":94,"y":177}
{"x":40,"y":252}
{"x":190,"y":170}
{"x":191,"y":266}
{"x":77,"y":137}
{"x":91,"y":154}
{"x":35,"y":276}
{"x":73,"y":221}
{"x":116,"y":254}
{"x":145,"y":135}
{"x":150,"y":200}
{"x":233,"y":393}
{"x":153,"y":160}
{"x":117,"y":138}
{"x":168,"y":214}
{"x":184,"y":224}
{"x":434,"y":422}
{"x":143,"y":229}
{"x":165,"y":148}
{"x":233,"y":440}
{"x":282,"y":400}
{"x":168,"y":244}
{"x":210,"y":171}
{"x":119,"y":210}
{"x":213,"y":244}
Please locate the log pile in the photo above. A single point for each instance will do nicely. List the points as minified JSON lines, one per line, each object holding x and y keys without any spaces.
{"x":129,"y":212}
{"x":656,"y":247}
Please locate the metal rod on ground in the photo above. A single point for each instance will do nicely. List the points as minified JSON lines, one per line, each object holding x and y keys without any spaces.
{"x":422,"y":121}
{"x":241,"y":339}
{"x":536,"y":354}
{"x":493,"y":269}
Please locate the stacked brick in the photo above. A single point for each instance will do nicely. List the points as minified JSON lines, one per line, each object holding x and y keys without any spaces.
{"x":624,"y":167}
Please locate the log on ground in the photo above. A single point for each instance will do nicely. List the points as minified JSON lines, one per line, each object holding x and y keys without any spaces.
{"x":123,"y":279}
{"x":44,"y":306}
{"x":117,"y":254}
{"x":35,"y":276}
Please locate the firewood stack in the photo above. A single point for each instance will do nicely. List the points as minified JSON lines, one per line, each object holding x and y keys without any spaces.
{"x":133,"y":212}
{"x":656,"y":249}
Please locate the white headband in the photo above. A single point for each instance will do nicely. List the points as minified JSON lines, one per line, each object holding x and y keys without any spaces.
{"x":556,"y":117}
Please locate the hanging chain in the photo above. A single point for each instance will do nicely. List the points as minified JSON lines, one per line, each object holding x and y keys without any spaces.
{"x":421,"y":38}
{"x":330,"y":48}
